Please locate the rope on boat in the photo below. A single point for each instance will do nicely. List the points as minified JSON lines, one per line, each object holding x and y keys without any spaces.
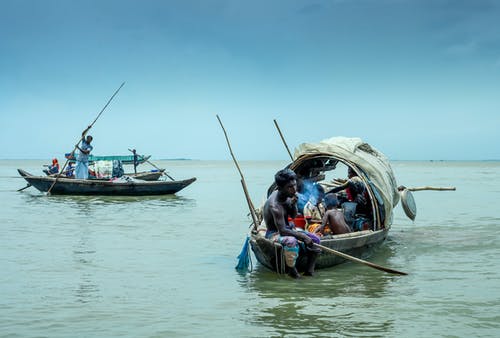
{"x":282,"y":255}
{"x":280,"y":266}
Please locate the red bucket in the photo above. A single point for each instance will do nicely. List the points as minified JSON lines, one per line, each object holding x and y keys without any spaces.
{"x":299,"y":221}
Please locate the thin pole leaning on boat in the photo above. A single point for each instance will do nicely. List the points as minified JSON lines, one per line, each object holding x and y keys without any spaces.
{"x":83,"y":135}
{"x":432,"y":188}
{"x":243,"y":183}
{"x":283,"y":139}
{"x":357,"y":260}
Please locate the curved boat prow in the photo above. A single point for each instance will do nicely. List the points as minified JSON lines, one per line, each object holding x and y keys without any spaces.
{"x":189,"y":181}
{"x":23,"y":173}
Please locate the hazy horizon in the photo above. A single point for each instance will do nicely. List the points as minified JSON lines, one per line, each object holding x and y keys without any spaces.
{"x":252,"y":160}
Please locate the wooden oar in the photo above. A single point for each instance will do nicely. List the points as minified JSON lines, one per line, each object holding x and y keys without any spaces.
{"x":283,"y":139}
{"x":243,"y":183}
{"x":162,"y":170}
{"x":83,"y":136}
{"x":357,"y":260}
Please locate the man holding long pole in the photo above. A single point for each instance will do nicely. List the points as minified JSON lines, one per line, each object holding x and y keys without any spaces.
{"x":83,"y":136}
{"x":82,"y":159}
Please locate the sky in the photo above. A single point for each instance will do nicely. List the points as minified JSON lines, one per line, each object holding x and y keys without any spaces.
{"x":418,"y":80}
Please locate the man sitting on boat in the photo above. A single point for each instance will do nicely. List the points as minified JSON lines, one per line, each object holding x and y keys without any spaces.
{"x":70,"y":170}
{"x":280,"y":205}
{"x":82,"y":160}
{"x":53,"y":168}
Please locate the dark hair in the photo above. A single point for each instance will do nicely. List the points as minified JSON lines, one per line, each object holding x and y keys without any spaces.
{"x":284,"y":176}
{"x":331,"y":200}
{"x":357,"y":187}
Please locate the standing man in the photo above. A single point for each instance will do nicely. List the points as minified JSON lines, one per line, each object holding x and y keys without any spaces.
{"x":280,"y":205}
{"x":82,"y":160}
{"x":136,"y":161}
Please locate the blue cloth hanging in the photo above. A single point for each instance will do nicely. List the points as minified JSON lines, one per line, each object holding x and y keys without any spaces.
{"x":244,"y":260}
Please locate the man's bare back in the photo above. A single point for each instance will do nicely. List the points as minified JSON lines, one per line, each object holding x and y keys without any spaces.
{"x":334,"y":219}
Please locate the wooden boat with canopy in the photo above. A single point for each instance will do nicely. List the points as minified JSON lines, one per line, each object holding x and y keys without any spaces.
{"x":123,"y":186}
{"x":316,"y":162}
{"x":152,"y":175}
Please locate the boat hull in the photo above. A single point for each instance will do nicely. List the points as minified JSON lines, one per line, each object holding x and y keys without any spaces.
{"x":357,"y":244}
{"x":66,"y":186}
{"x":145,"y":175}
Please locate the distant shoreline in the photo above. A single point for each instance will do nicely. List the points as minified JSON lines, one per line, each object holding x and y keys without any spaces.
{"x":192,"y":159}
{"x":174,"y":159}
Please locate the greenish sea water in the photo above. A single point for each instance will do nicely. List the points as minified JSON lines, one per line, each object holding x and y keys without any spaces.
{"x":164,"y":266}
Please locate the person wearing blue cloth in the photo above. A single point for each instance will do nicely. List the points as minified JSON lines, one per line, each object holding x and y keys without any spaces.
{"x":70,"y":170}
{"x":82,"y":160}
{"x":53,"y":168}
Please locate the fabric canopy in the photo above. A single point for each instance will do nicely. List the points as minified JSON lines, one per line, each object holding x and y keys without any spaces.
{"x":372,"y":163}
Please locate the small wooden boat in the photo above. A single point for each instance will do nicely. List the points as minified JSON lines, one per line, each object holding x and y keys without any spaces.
{"x":125,"y":159}
{"x":313,"y":162}
{"x":147,"y":175}
{"x":132,"y":187}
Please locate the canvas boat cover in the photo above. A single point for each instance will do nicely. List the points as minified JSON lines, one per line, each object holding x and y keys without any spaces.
{"x":108,"y":169}
{"x":372,"y":163}
{"x":103,"y":169}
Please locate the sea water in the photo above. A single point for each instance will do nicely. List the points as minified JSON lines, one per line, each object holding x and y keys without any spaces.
{"x":73,"y":266}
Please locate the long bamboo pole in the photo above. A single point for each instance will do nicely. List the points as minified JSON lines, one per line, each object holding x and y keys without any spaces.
{"x":83,"y":136}
{"x":432,"y":188}
{"x":357,"y":260}
{"x":243,"y":183}
{"x":283,"y":139}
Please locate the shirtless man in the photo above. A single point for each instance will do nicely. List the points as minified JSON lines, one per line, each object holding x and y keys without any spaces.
{"x":280,"y":205}
{"x":333,"y":218}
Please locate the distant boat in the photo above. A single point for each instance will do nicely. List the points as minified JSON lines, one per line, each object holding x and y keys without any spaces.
{"x":120,"y":187}
{"x":125,"y":159}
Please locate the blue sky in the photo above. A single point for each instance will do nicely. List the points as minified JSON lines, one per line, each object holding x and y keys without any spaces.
{"x":416,"y":79}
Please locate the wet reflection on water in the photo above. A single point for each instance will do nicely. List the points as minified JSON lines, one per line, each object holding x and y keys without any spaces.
{"x":84,"y":255}
{"x":98,"y":232}
{"x":86,"y":204}
{"x":325,"y":305}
